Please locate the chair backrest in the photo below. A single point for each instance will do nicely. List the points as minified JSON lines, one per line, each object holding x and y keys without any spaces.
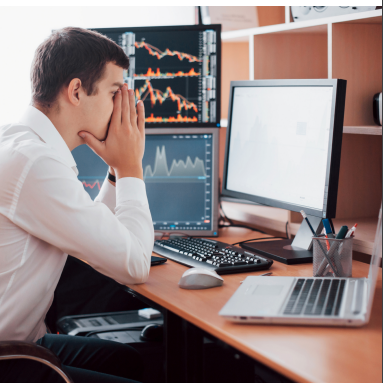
{"x":13,"y":349}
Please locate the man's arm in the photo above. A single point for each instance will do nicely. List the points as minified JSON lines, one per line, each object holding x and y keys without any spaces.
{"x":63,"y":215}
{"x":54,"y":207}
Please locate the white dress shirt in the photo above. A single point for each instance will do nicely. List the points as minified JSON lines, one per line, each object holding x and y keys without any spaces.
{"x":45,"y":214}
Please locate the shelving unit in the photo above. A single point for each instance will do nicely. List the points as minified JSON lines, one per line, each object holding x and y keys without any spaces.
{"x":348,"y":47}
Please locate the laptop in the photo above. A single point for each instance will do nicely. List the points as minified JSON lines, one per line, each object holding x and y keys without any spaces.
{"x":307,"y":301}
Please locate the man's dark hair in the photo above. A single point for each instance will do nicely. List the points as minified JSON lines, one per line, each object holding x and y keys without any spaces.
{"x":71,"y":53}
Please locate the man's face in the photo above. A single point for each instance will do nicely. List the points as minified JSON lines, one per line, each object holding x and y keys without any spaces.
{"x":98,"y":108}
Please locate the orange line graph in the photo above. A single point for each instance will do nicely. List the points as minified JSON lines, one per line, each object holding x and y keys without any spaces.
{"x":156,"y":95}
{"x":179,"y":118}
{"x":151,"y":73}
{"x":92,"y":185}
{"x":159,"y":54}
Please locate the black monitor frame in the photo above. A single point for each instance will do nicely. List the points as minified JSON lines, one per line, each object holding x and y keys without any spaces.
{"x":334,"y":152}
{"x":217,"y":29}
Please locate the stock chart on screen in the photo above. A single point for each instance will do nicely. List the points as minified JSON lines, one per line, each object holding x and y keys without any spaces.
{"x":175,"y":71}
{"x":177,"y":174}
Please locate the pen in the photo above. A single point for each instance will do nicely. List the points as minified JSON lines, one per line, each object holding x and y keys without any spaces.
{"x":342,"y":232}
{"x":308,"y":222}
{"x":327,"y":231}
{"x":351,"y":232}
{"x":327,"y":228}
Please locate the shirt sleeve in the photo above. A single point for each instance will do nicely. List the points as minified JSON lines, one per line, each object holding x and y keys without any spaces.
{"x":107,"y":195}
{"x":53,"y":206}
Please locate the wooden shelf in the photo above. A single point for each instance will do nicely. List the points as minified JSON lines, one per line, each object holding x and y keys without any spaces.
{"x":275,"y":219}
{"x":368,"y":130}
{"x":301,"y":26}
{"x":259,"y":216}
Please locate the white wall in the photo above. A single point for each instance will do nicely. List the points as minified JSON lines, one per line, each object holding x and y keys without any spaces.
{"x":22,"y":29}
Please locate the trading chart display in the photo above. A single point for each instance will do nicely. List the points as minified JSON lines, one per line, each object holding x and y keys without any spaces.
{"x":175,"y":72}
{"x":178,"y":177}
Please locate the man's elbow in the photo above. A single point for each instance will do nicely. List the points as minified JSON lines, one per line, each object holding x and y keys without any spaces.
{"x":142,"y":278}
{"x":140,"y":273}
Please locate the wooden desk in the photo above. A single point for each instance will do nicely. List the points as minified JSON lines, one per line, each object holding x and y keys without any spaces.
{"x":304,"y":354}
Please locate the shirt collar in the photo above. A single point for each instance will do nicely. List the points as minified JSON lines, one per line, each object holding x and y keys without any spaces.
{"x":44,"y":128}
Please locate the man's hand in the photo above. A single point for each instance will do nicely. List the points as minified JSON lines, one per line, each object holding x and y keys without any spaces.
{"x":124,"y":146}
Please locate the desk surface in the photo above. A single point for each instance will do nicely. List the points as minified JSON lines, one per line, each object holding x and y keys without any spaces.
{"x":313,"y":354}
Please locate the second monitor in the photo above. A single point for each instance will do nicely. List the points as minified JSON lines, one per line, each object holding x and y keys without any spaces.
{"x":181,"y":176}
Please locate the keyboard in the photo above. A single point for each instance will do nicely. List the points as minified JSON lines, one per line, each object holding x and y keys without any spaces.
{"x":316,"y":297}
{"x":219,"y":256}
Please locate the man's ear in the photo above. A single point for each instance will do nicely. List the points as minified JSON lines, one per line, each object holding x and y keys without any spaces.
{"x":74,"y":90}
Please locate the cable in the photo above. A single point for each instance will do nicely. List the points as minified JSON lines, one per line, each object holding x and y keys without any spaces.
{"x":256,"y":239}
{"x":259,"y":239}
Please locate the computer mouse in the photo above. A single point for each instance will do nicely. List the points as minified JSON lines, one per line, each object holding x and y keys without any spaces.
{"x":198,"y":278}
{"x":152,"y":333}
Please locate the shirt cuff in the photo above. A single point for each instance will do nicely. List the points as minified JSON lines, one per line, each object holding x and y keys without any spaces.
{"x":131,"y":189}
{"x":107,"y":195}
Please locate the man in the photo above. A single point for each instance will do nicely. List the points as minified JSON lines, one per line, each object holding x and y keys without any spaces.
{"x":78,"y":97}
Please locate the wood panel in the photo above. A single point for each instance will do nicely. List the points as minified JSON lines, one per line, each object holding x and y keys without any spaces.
{"x":290,"y":56}
{"x":270,"y":15}
{"x":235,"y":66}
{"x":360,"y":178}
{"x":370,"y":130}
{"x":302,"y":353}
{"x":357,"y":58}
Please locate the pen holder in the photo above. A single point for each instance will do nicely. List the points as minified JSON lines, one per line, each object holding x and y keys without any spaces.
{"x":332,"y":257}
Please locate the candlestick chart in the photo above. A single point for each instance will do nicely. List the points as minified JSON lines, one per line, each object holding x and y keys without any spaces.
{"x":174,"y":72}
{"x":154,"y":51}
{"x":167,"y":75}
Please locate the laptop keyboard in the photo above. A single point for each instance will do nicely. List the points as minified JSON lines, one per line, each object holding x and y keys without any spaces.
{"x":316,"y":297}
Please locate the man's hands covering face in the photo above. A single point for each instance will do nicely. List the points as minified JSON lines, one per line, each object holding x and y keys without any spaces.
{"x":123,"y":148}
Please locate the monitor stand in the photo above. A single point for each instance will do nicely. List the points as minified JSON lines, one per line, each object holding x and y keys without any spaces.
{"x":290,"y":251}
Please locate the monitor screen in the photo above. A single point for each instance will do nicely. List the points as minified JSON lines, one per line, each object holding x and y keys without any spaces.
{"x":175,"y":71}
{"x":280,"y":144}
{"x":181,"y":177}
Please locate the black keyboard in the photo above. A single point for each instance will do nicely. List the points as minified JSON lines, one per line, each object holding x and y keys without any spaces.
{"x":316,"y":297}
{"x":219,"y":256}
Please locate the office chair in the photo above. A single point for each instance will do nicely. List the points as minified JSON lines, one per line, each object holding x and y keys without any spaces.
{"x":27,"y":350}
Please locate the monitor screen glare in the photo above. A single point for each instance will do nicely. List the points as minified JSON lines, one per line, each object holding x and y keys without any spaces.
{"x":279,"y":143}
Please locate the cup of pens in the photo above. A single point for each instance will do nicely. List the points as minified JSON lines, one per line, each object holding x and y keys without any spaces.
{"x":332,"y":257}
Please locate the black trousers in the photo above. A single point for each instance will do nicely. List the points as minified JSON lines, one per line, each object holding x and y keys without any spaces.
{"x":86,"y":360}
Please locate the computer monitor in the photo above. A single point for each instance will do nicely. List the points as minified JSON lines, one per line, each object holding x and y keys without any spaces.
{"x":283,"y":149}
{"x":176,"y":71}
{"x":181,"y":177}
